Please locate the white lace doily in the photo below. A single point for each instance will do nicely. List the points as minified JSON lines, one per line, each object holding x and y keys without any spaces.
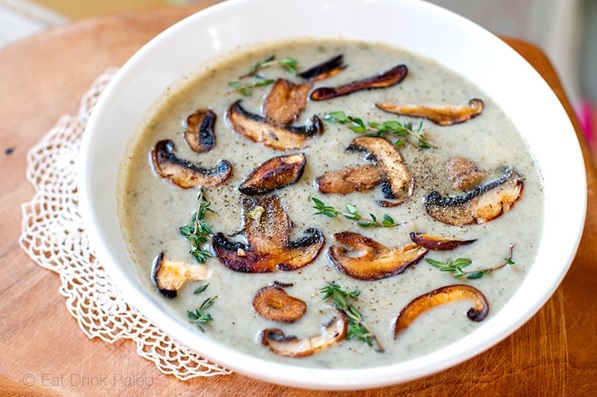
{"x":54,"y":237}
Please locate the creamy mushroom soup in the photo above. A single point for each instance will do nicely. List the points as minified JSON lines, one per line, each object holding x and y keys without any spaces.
{"x":381,"y":187}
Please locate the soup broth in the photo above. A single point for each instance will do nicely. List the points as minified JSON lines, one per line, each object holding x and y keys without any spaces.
{"x":153,"y":209}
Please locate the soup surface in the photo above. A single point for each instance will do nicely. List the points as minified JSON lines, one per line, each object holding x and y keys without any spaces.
{"x":153,"y":208}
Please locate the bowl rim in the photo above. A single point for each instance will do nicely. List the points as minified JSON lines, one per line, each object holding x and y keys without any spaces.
{"x":91,"y":207}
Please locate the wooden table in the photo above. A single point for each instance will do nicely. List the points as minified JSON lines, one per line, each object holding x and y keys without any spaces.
{"x":44,"y":77}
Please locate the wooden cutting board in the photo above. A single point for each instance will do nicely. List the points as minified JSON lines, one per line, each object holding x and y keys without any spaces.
{"x":44,"y":77}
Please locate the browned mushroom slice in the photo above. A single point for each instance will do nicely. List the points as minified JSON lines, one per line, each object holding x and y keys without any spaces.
{"x":437,"y":243}
{"x":291,"y":346}
{"x":275,"y":173}
{"x":199,"y":130}
{"x":255,"y":128}
{"x":463,"y":173}
{"x":285,"y":102}
{"x":441,"y":115}
{"x":324,"y":70}
{"x":184,"y":173}
{"x":384,"y":80}
{"x":355,"y":179}
{"x":267,"y":229}
{"x":397,"y":180}
{"x":440,"y":296}
{"x":482,"y":204}
{"x":169,"y":275}
{"x":365,"y":259}
{"x":273,"y":303}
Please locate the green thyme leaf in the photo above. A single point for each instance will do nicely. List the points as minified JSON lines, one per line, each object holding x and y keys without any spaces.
{"x":198,"y":232}
{"x":402,"y":131}
{"x":353,"y":214}
{"x":457,"y":266}
{"x":199,"y":316}
{"x":356,"y":327}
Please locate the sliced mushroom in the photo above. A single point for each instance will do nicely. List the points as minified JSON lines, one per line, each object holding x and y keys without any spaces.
{"x":169,"y":276}
{"x":285,"y":102}
{"x":384,"y":80}
{"x":437,"y":243}
{"x":291,"y":346}
{"x":365,"y":259}
{"x":463,"y":173}
{"x":274,"y":303}
{"x":268,"y":245}
{"x":257,"y":129}
{"x":199,"y":130}
{"x":275,"y":173}
{"x":441,"y":115}
{"x":482,"y":204}
{"x":184,"y":173}
{"x":324,"y":70}
{"x":355,"y":179}
{"x":397,"y":180}
{"x":440,"y":296}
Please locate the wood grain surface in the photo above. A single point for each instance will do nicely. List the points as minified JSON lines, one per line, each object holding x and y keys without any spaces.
{"x":42,"y":348}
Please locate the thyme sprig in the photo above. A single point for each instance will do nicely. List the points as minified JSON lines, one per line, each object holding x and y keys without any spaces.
{"x":457,"y":266}
{"x":246,"y":89}
{"x":289,"y":64}
{"x":353,"y":214}
{"x":199,"y":316}
{"x":198,"y":232}
{"x":356,"y":327}
{"x":392,"y":127}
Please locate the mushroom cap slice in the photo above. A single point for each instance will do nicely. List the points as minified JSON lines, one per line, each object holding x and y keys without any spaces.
{"x":482,"y":204}
{"x":324,"y":70}
{"x":386,"y":79}
{"x":274,"y":303}
{"x":291,"y":346}
{"x":169,"y":275}
{"x":275,"y":173}
{"x":184,"y":173}
{"x":365,"y":259}
{"x":285,"y":102}
{"x":463,"y":173}
{"x":267,"y":229}
{"x":440,"y":296}
{"x":199,"y":130}
{"x":437,"y":243}
{"x":257,"y":129}
{"x":355,"y":179}
{"x":441,"y":115}
{"x":397,"y":181}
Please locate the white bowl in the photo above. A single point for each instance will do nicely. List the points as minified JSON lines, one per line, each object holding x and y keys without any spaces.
{"x":414,"y":25}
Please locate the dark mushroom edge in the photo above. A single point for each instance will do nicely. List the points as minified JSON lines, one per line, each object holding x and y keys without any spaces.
{"x":274,"y":303}
{"x":291,"y":346}
{"x":363,"y":258}
{"x":267,"y":229}
{"x":275,"y":173}
{"x":170,"y":276}
{"x":184,"y":173}
{"x":440,"y":296}
{"x":479,"y":205}
{"x":441,"y":115}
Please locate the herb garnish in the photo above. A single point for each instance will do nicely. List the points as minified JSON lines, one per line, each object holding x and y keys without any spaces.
{"x":374,"y":129}
{"x":246,"y":89}
{"x":356,"y":328}
{"x":352,"y":214}
{"x":199,"y":316}
{"x":456,"y":266}
{"x":198,"y":231}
